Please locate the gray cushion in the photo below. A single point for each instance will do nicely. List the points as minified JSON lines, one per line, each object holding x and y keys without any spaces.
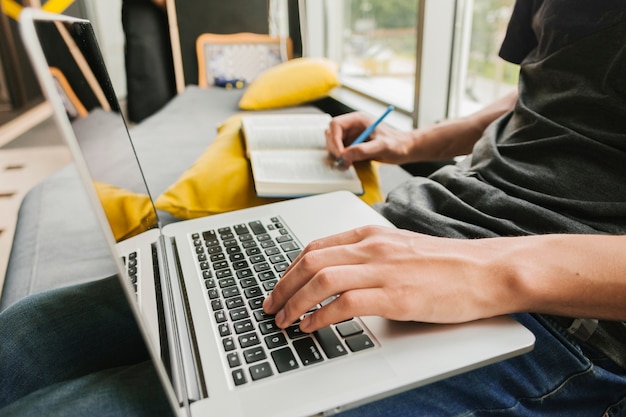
{"x":54,"y":243}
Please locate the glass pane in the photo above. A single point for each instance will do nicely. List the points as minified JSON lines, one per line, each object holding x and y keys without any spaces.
{"x":488,"y":77}
{"x":379,"y":44}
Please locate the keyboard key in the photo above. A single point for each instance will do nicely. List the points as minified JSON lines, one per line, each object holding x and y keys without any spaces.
{"x":253,"y":292}
{"x":233,"y":359}
{"x":247,"y":340}
{"x":275,"y":340}
{"x":244,"y":273}
{"x":268,"y":244}
{"x":241,"y":229}
{"x":214,"y":249}
{"x":237,"y":256}
{"x":284,"y":360}
{"x":254,"y":354}
{"x":220,"y":316}
{"x":272,"y":251}
{"x":224,"y":329}
{"x":257,"y":227}
{"x":262,"y":370}
{"x":349,"y":328}
{"x":360,"y":342}
{"x":330,"y":343}
{"x":209,"y":234}
{"x":243,"y":326}
{"x":293,"y":255}
{"x":289,"y":246}
{"x":234,"y":302}
{"x":229,"y":343}
{"x":239,"y":378}
{"x":264,"y":276}
{"x":248,"y":282}
{"x":230,"y":292}
{"x":263,"y":266}
{"x":307,"y":351}
{"x":216,"y":304}
{"x":240,"y":265}
{"x":277,"y":258}
{"x":284,"y":238}
{"x":256,"y":303}
{"x":253,"y":251}
{"x":269,"y":285}
{"x":294,"y":332}
{"x":226,"y":282}
{"x":268,"y":327}
{"x":281,"y":267}
{"x":261,"y":315}
{"x":239,"y":314}
{"x":255,"y":259}
{"x":216,"y":257}
{"x":223,"y":273}
{"x":220,"y":265}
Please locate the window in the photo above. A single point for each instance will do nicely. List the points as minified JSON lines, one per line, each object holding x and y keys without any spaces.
{"x":432,"y":59}
{"x":482,"y":75}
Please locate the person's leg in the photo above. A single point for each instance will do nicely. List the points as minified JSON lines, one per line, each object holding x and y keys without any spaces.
{"x":556,"y":379}
{"x":65,"y":334}
{"x":131,"y":390}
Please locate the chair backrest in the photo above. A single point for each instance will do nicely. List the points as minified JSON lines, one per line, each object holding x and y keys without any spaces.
{"x":73,"y":105}
{"x":234,"y":59}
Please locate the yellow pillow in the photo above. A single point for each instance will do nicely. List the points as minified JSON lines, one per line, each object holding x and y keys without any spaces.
{"x":128,"y":213}
{"x":291,"y":83}
{"x":221,"y":180}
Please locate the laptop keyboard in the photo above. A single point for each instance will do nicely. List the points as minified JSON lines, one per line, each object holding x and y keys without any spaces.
{"x":240,"y":265}
{"x":131,"y":263}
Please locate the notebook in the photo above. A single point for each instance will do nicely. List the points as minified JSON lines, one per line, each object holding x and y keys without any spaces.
{"x":196,"y":286}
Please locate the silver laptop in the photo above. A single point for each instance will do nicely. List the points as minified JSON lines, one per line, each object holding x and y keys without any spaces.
{"x":196,"y":286}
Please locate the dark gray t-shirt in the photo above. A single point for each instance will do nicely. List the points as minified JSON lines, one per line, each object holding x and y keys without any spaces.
{"x":557,"y":162}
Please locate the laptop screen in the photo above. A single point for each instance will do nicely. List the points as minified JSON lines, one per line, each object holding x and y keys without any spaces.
{"x":86,"y":91}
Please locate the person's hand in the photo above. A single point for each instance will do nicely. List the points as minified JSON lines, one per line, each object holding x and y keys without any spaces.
{"x":392,"y":273}
{"x":386,"y":144}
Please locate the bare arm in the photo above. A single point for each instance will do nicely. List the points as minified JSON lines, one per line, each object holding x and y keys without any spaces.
{"x":403,"y":275}
{"x":441,"y":141}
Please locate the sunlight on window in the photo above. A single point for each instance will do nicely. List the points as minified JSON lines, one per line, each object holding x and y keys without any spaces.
{"x":379,"y":47}
{"x":489,"y":77}
{"x":378,"y":52}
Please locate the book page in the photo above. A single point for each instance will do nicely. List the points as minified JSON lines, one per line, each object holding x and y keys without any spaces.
{"x":300,"y":173}
{"x":296,"y":166}
{"x":288,"y":131}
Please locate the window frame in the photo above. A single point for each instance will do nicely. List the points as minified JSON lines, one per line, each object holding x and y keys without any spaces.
{"x":436,"y":26}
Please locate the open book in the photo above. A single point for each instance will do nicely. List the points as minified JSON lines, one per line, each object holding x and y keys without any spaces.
{"x":288,"y":156}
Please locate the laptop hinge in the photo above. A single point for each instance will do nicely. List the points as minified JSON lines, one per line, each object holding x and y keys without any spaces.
{"x":184,"y":376}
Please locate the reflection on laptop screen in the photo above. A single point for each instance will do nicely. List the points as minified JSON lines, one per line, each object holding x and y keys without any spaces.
{"x":86,"y":90}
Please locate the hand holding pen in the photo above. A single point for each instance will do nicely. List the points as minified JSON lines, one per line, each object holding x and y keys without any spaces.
{"x":366,"y":134}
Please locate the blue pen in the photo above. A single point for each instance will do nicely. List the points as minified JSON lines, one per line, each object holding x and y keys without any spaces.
{"x":367,"y":132}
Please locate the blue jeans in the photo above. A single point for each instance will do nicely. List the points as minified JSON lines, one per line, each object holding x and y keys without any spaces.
{"x":77,"y":351}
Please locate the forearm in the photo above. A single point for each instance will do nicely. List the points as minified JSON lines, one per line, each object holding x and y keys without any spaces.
{"x":570,"y":275}
{"x":455,"y":137}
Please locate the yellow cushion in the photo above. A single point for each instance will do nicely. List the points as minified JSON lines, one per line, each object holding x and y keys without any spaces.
{"x":291,"y":83}
{"x":221,"y":180}
{"x":128,"y":213}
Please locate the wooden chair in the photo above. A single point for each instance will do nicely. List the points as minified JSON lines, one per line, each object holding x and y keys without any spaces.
{"x":234,"y":59}
{"x":73,"y":106}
